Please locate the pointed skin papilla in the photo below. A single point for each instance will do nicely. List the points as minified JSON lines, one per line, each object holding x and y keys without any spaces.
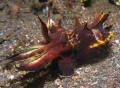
{"x":108,"y":28}
{"x":66,"y":65}
{"x":44,"y":60}
{"x":100,"y":19}
{"x":103,"y":19}
{"x":57,"y":28}
{"x":77,"y":22}
{"x":60,"y":23}
{"x":44,"y":30}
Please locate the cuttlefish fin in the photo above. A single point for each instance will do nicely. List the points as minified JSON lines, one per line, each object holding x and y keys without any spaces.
{"x":42,"y":61}
{"x":44,"y":30}
{"x":66,"y":65}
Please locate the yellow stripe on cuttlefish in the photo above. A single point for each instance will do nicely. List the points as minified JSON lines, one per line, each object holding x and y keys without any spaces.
{"x":100,"y":42}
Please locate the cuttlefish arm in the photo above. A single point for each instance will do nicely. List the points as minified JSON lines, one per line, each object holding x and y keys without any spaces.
{"x":38,"y":49}
{"x":44,"y":60}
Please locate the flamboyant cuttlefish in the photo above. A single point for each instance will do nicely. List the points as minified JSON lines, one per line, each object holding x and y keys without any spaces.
{"x":65,"y":45}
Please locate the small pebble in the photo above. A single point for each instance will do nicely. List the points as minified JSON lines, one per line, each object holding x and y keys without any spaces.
{"x":57,"y":82}
{"x":83,"y":8}
{"x":10,"y":77}
{"x":117,"y":41}
{"x":78,"y":72}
